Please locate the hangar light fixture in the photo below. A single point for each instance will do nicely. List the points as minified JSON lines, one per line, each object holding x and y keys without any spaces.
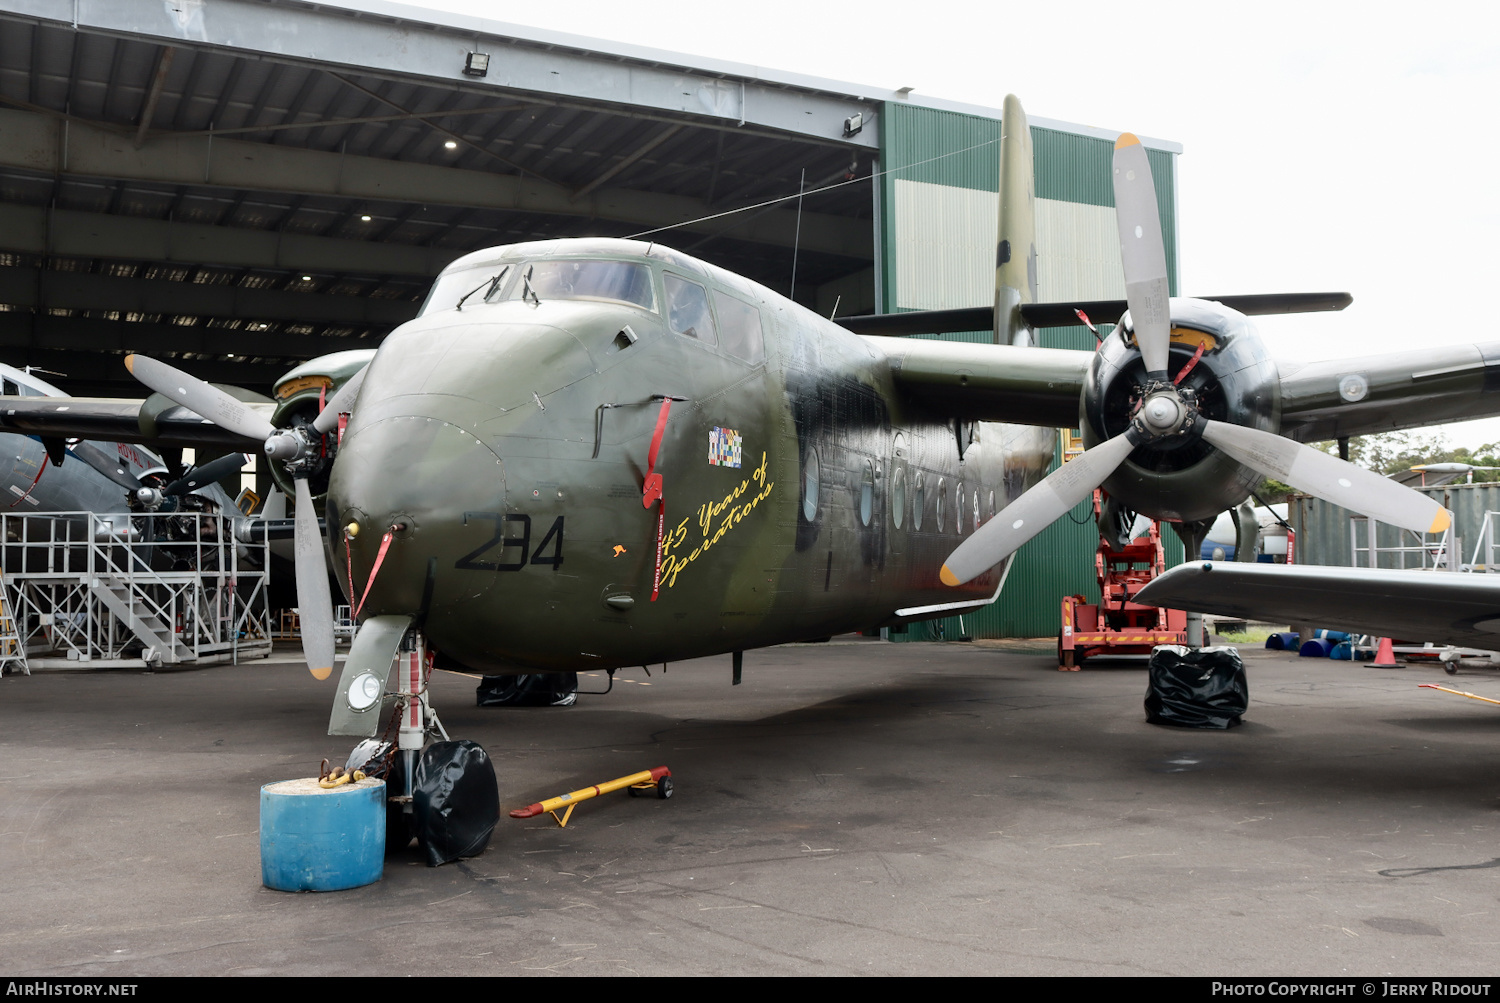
{"x":450,"y":145}
{"x":854,"y":123}
{"x":477,"y":64}
{"x":364,"y":219}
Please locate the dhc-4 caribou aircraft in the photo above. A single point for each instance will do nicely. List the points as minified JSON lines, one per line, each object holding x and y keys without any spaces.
{"x":595,"y":453}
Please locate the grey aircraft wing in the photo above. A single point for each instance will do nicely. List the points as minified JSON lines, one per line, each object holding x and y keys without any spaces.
{"x":153,"y":420}
{"x":1383,"y":393}
{"x":977,"y":382}
{"x":1437,"y":606}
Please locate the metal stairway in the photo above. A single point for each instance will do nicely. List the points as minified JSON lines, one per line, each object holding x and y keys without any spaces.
{"x":141,"y":621}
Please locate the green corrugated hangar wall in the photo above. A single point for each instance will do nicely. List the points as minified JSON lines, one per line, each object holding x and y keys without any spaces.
{"x":938,"y":204}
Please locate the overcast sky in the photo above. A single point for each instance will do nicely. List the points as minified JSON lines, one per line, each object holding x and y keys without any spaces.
{"x":1324,"y":146}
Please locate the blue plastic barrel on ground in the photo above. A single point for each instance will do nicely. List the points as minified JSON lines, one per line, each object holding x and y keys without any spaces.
{"x":1282,"y":641}
{"x":1343,"y":651}
{"x":1318,"y":647}
{"x":317,"y":840}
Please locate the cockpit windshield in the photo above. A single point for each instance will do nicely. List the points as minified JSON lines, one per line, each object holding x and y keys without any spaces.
{"x":626,"y":282}
{"x":466,"y":285}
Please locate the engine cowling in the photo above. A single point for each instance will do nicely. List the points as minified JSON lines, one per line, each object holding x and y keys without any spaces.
{"x":1235,"y":381}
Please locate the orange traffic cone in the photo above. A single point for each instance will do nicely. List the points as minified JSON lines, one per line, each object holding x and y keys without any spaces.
{"x":1385,"y":655}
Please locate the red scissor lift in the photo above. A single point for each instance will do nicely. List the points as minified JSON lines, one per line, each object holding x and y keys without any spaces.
{"x":1115,"y":625}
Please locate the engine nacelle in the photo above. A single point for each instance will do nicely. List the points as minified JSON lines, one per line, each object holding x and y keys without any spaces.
{"x":1234,"y":381}
{"x":300,"y":395}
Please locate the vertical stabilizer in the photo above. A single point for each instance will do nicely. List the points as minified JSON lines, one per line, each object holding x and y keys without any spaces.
{"x":1015,"y":255}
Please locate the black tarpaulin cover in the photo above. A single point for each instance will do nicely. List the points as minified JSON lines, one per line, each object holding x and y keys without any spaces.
{"x":547,"y":689}
{"x":455,"y":801}
{"x":1196,"y":687}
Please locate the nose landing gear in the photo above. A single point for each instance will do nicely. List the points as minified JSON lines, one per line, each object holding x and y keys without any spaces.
{"x":439,"y":791}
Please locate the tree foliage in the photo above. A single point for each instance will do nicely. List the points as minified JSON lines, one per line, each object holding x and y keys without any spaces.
{"x":1392,"y":452}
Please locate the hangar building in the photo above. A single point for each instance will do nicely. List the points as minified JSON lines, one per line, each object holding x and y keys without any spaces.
{"x":241,"y":185}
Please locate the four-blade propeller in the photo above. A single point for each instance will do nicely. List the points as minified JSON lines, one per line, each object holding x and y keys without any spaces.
{"x":297,"y":449}
{"x":1167,"y":413}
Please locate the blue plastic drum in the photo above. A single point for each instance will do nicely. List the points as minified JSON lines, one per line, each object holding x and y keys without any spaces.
{"x":1282,"y":641}
{"x":317,"y":840}
{"x":1318,"y":647}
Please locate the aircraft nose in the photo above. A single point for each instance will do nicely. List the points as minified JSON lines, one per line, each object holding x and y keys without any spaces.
{"x":436,"y":489}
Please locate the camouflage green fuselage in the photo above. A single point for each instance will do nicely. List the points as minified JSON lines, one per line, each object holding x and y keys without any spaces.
{"x":510,"y":442}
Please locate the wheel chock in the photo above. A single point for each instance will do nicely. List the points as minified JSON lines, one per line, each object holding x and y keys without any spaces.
{"x":658,"y":779}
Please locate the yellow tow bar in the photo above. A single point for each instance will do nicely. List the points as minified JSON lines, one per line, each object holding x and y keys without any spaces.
{"x":1471,"y":696}
{"x":658,"y":779}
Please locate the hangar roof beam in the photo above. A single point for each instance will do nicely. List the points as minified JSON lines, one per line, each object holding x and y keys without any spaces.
{"x":37,"y":143}
{"x":26,"y":230}
{"x":407,"y":43}
{"x":23,"y":287}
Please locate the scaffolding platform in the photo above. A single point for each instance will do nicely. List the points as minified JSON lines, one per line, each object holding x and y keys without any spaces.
{"x":92,"y":591}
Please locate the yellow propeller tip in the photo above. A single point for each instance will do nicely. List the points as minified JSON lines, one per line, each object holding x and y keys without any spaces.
{"x":948,"y":577}
{"x":321,"y":674}
{"x":1441,"y":521}
{"x":1126,"y":139}
{"x":130,"y":363}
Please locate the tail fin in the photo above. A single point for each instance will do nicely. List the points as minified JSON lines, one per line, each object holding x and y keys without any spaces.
{"x":1015,"y":256}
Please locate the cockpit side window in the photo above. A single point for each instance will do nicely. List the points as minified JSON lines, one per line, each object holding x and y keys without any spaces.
{"x":739,"y":328}
{"x":11,"y":389}
{"x":687,"y":309}
{"x":627,"y":282}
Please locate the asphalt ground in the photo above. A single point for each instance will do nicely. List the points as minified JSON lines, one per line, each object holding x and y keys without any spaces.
{"x":852,"y":808}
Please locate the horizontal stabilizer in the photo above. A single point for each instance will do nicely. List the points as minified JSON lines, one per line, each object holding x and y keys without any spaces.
{"x":1412,"y":605}
{"x":982,"y":318}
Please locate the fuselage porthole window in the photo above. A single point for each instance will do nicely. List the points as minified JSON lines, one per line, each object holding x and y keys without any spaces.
{"x":919,"y":499}
{"x":867,"y":494}
{"x":810,"y":477}
{"x":942,"y":496}
{"x":687,"y":309}
{"x":898,"y":496}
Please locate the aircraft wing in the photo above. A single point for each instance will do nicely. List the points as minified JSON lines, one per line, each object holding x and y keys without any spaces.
{"x":114,"y":420}
{"x":1438,"y":606}
{"x":982,"y":318}
{"x":1383,"y":393}
{"x":982,"y":382}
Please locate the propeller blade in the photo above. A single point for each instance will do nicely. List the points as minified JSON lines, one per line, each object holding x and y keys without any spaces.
{"x":342,"y":401}
{"x":314,"y":603}
{"x":1328,"y":477}
{"x":1141,"y":253}
{"x":202,"y":477}
{"x":107,"y":465}
{"x":1035,"y":510}
{"x":199,"y":397}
